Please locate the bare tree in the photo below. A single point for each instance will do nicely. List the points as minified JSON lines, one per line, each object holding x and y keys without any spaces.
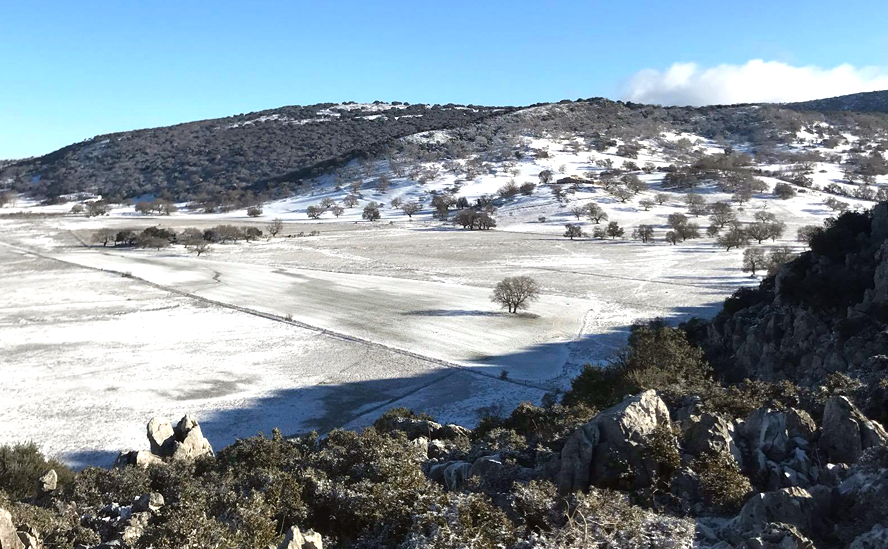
{"x":573,"y":231}
{"x":578,"y":211}
{"x":104,"y":236}
{"x":350,"y":201}
{"x":337,"y":210}
{"x":314,"y":212}
{"x":778,"y":256}
{"x":758,"y":231}
{"x":514,"y":292}
{"x":753,"y":259}
{"x":411,"y":208}
{"x":661,"y":198}
{"x":201,"y":246}
{"x":275,"y":227}
{"x":696,"y":204}
{"x":646,"y":203}
{"x":254,"y":211}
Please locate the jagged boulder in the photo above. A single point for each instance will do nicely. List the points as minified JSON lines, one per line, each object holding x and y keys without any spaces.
{"x":877,"y":538}
{"x":297,"y":539}
{"x":151,"y":502}
{"x":47,"y":483}
{"x":456,"y":473}
{"x":846,"y":432}
{"x":485,"y":465}
{"x":612,"y":443}
{"x":190,"y":442}
{"x":863,"y":497}
{"x":30,"y":538}
{"x":765,"y":432}
{"x":795,"y":506}
{"x":9,"y":538}
{"x":437,"y":449}
{"x":161,"y":436}
{"x":712,"y":434}
{"x":138,"y":458}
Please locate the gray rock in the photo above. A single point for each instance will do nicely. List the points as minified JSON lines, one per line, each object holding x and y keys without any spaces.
{"x":456,"y":474}
{"x":617,"y":435}
{"x":47,"y":483}
{"x":161,"y":437}
{"x":190,"y":442}
{"x":712,"y":434}
{"x":422,"y":445}
{"x":296,"y":539}
{"x":415,"y":428}
{"x":485,"y":465}
{"x":452,"y":431}
{"x":846,"y":432}
{"x":576,"y":459}
{"x":800,"y":424}
{"x":148,"y":502}
{"x":877,"y":538}
{"x":765,"y":432}
{"x":139,"y":458}
{"x":9,"y":538}
{"x":437,"y":449}
{"x":30,"y":538}
{"x":795,"y":506}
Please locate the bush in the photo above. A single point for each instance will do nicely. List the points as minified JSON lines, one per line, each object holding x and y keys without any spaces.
{"x":721,"y":482}
{"x":21,"y":465}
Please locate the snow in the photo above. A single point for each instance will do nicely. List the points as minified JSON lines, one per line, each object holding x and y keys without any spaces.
{"x":392,"y":313}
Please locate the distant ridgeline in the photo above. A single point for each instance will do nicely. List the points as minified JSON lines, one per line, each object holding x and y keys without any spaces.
{"x":250,"y":158}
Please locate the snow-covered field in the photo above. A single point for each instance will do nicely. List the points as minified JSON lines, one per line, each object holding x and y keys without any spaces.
{"x":330,"y":330}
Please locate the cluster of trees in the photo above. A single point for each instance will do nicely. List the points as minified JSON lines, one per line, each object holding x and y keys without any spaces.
{"x":92,"y":208}
{"x":196,"y":240}
{"x":758,"y":259}
{"x":474,"y":219}
{"x":157,"y":206}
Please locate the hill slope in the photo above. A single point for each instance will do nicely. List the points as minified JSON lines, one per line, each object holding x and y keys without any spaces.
{"x":876,"y":101}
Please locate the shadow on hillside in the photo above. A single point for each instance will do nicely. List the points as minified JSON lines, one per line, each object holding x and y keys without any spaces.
{"x":464,"y":312}
{"x":450,"y":394}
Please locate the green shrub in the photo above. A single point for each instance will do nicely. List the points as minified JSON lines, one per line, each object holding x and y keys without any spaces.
{"x":21,"y":465}
{"x":95,"y":487}
{"x":721,"y":482}
{"x":658,"y":357}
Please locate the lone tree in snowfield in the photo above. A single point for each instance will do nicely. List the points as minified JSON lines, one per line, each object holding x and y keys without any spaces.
{"x":514,"y":292}
{"x":275,"y":227}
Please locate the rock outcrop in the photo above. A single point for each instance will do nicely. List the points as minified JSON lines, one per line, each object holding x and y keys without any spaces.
{"x":9,"y":538}
{"x":185,"y":441}
{"x":847,"y":432}
{"x":297,"y":539}
{"x":612,"y":444}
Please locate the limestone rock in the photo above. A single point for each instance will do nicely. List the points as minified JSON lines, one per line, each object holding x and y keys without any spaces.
{"x":296,"y":539}
{"x":877,"y":538}
{"x":485,"y":465}
{"x":452,"y":431}
{"x":9,"y":538}
{"x":30,"y":538}
{"x":456,"y":474}
{"x":617,"y":435}
{"x":765,"y":431}
{"x":161,"y":436}
{"x":846,"y":432}
{"x":148,"y":502}
{"x":795,"y":506}
{"x":437,"y":449}
{"x":712,"y":434}
{"x":576,"y":459}
{"x":47,"y":483}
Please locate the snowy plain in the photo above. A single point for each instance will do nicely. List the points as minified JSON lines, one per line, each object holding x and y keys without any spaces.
{"x":317,"y":332}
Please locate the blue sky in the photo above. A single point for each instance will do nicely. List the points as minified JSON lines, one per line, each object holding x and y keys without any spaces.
{"x":72,"y":70}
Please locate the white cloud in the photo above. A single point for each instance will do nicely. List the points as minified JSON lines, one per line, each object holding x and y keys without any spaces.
{"x":754,"y":82}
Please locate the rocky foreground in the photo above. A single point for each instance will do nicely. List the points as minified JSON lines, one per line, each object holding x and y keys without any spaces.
{"x":826,"y":482}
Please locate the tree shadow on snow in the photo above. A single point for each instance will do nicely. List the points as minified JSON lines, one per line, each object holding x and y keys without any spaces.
{"x":437,"y":388}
